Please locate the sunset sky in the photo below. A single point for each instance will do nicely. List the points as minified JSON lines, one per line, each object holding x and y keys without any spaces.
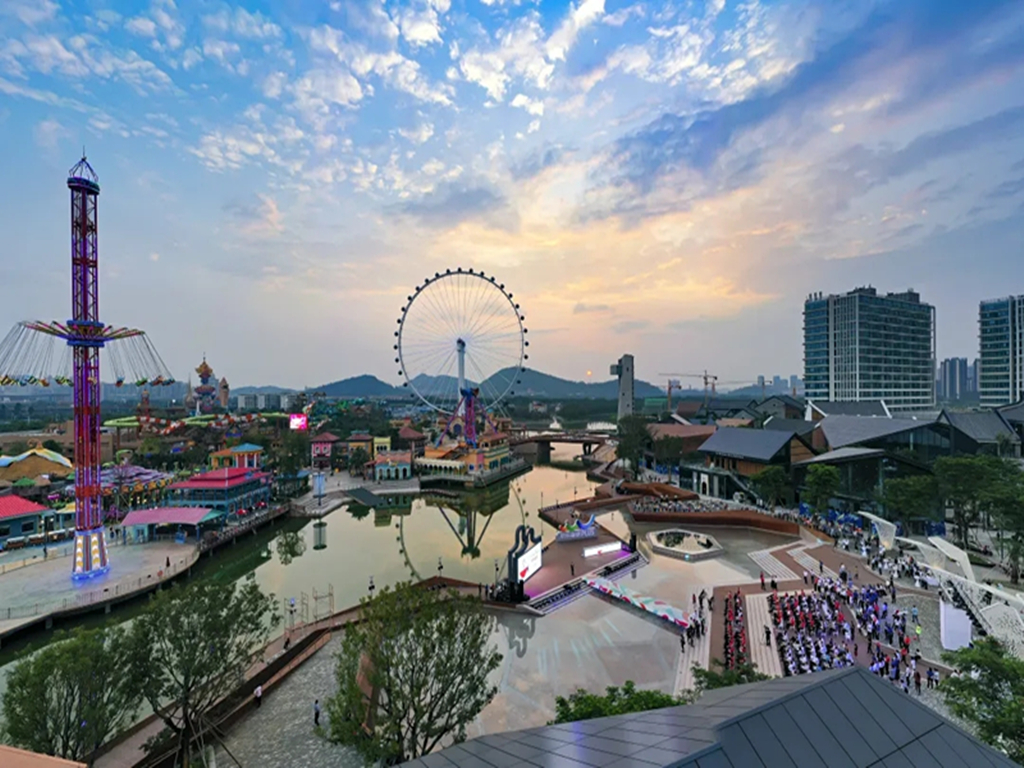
{"x":669,"y":179}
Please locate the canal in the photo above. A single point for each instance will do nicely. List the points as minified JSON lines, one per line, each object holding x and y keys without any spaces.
{"x":405,"y":539}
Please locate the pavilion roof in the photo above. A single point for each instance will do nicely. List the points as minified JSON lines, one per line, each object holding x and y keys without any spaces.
{"x":15,"y":506}
{"x":220,"y":478}
{"x":169,"y":516}
{"x":325,"y":437}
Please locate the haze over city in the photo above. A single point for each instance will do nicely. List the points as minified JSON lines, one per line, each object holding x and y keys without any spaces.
{"x":667,"y":179}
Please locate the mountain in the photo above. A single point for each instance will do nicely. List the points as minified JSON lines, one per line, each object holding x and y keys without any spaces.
{"x":266,"y":390}
{"x":530,"y":383}
{"x":360,"y":386}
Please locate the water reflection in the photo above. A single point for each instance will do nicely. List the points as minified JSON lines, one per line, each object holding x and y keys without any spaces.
{"x":519,"y":630}
{"x":290,"y":545}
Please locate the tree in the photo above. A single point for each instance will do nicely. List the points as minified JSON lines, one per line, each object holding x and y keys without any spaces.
{"x":1003,"y":498}
{"x":961,"y":481}
{"x":821,"y":485}
{"x":292,"y":453}
{"x":53,"y":445}
{"x":770,"y":483}
{"x":633,"y":438}
{"x":709,"y":679}
{"x":192,"y":647}
{"x":357,"y":459}
{"x":16,"y":448}
{"x":907,"y":498}
{"x":993,"y":701}
{"x":69,"y":698}
{"x":583,"y":705}
{"x":412,"y":673}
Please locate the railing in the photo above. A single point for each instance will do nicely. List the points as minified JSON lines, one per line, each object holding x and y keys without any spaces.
{"x":123,"y":588}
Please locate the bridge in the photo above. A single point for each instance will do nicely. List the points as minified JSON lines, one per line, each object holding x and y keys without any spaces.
{"x":544,"y":441}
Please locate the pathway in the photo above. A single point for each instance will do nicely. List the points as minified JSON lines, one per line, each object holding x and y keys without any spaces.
{"x":772,"y":567}
{"x":700,"y":655}
{"x":765,"y":657}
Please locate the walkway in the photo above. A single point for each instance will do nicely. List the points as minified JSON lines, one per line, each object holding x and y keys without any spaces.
{"x":758,"y":616}
{"x":699,"y":655}
{"x":772,"y":566}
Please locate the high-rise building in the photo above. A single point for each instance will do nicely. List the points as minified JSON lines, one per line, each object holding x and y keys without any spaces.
{"x":952,"y":383}
{"x":863,"y":346}
{"x":1001,"y":343}
{"x":623,"y":370}
{"x":972,"y":378}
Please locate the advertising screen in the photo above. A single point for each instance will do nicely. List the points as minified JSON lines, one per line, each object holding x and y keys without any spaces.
{"x":602,"y":549}
{"x":298,"y":421}
{"x":530,"y":561}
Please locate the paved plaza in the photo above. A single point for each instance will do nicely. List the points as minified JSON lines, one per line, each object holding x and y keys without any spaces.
{"x":48,"y":584}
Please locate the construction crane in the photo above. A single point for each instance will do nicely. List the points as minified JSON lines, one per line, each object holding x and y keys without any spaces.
{"x":710,"y":383}
{"x":709,"y":379}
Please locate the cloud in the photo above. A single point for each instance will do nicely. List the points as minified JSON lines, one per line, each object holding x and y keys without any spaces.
{"x":154,"y":256}
{"x":421,"y":25}
{"x":455,"y":201}
{"x":30,"y":12}
{"x":243,"y":24}
{"x":579,"y":18}
{"x":630,"y":326}
{"x":537,"y":162}
{"x":260,"y":217}
{"x":418,"y":135}
{"x":48,"y":134}
{"x":1009,"y":188}
{"x":532,"y":106}
{"x":319,"y":91}
{"x":273,"y":84}
{"x":584,"y":309}
{"x":141,"y":26}
{"x":518,"y":54}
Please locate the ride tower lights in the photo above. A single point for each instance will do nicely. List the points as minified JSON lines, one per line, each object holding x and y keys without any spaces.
{"x":86,"y":338}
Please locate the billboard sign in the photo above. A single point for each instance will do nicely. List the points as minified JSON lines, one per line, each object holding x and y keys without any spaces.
{"x":298,"y":421}
{"x":529,"y":562}
{"x":602,"y":549}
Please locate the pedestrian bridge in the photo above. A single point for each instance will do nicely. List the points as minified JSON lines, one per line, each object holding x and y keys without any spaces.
{"x":544,"y":441}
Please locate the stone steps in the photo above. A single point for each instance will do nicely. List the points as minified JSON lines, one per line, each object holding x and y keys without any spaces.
{"x":810,"y":562}
{"x":767,"y":562}
{"x":700,"y":654}
{"x":765,"y":657}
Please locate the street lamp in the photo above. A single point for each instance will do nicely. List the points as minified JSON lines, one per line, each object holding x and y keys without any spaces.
{"x":291,"y":614}
{"x":440,"y":567}
{"x":496,"y":570}
{"x":372,"y":587}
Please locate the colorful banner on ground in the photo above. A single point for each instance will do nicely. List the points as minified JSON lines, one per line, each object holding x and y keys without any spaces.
{"x":652,"y":605}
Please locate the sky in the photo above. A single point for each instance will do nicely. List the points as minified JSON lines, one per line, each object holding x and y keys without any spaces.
{"x":669,"y":179}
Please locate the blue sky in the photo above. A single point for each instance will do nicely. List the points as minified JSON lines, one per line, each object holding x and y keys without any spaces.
{"x":669,"y":179}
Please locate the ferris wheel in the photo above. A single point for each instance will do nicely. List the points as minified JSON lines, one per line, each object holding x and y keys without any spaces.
{"x":460,"y":344}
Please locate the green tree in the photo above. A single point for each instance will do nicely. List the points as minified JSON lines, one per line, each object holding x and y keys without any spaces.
{"x":357,"y":459}
{"x":709,"y":679}
{"x":961,"y":481}
{"x":70,"y":697}
{"x":993,"y":702}
{"x":53,"y":445}
{"x":770,"y":484}
{"x":583,"y":705}
{"x":16,"y":448}
{"x":669,"y":450}
{"x":290,"y":544}
{"x":1003,"y":498}
{"x":412,"y":673}
{"x":192,"y":647}
{"x":633,"y":438}
{"x":821,"y":485}
{"x":908,"y":498}
{"x":291,"y":454}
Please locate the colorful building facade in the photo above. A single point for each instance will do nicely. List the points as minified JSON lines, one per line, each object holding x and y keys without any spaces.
{"x":228,"y":491}
{"x":244,"y":456}
{"x":392,"y":465}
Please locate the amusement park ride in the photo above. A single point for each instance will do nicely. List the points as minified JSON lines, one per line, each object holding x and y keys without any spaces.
{"x":29,"y":356}
{"x":456,"y":324}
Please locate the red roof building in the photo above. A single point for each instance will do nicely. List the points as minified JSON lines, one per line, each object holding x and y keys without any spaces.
{"x":230,"y":477}
{"x":12,"y":506}
{"x":321,"y":447}
{"x":229,"y":491}
{"x":19,"y":517}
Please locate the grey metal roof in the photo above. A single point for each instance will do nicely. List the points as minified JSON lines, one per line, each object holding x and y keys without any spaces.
{"x":1013,"y":413}
{"x":841,"y":431}
{"x":845,"y":718}
{"x":980,"y":426}
{"x":799,"y":426}
{"x":842,"y":454}
{"x":789,"y":400}
{"x":863,"y":408}
{"x":743,"y":443}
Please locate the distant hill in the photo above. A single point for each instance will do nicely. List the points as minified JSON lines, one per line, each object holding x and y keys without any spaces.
{"x":531,"y":383}
{"x":267,"y":390}
{"x":360,"y":386}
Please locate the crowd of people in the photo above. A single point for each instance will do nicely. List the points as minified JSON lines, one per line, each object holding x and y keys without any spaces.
{"x":697,"y":625}
{"x":655,"y":504}
{"x":811,"y":631}
{"x":737,"y":651}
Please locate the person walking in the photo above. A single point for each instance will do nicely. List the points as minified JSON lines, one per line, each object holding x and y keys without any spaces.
{"x":168,"y":561}
{"x":682,"y":643}
{"x":767,"y":635}
{"x":258,"y":695}
{"x":572,"y":569}
{"x":821,"y":568}
{"x":762,"y":581}
{"x":917,"y":681}
{"x":805,"y":575}
{"x":316,"y":713}
{"x":913,"y":613}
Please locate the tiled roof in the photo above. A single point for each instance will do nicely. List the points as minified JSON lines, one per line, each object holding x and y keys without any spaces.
{"x":15,"y":506}
{"x":408,"y":433}
{"x":42,"y":453}
{"x":862,"y":408}
{"x":799,"y":426}
{"x":325,"y":437}
{"x":167,"y":516}
{"x":660,"y":431}
{"x":849,"y":453}
{"x":789,"y":400}
{"x":359,"y":437}
{"x":220,"y":478}
{"x":247,"y":448}
{"x":980,"y":426}
{"x":851,"y":430}
{"x":740,"y":443}
{"x":837,"y":719}
{"x":1014,"y":412}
